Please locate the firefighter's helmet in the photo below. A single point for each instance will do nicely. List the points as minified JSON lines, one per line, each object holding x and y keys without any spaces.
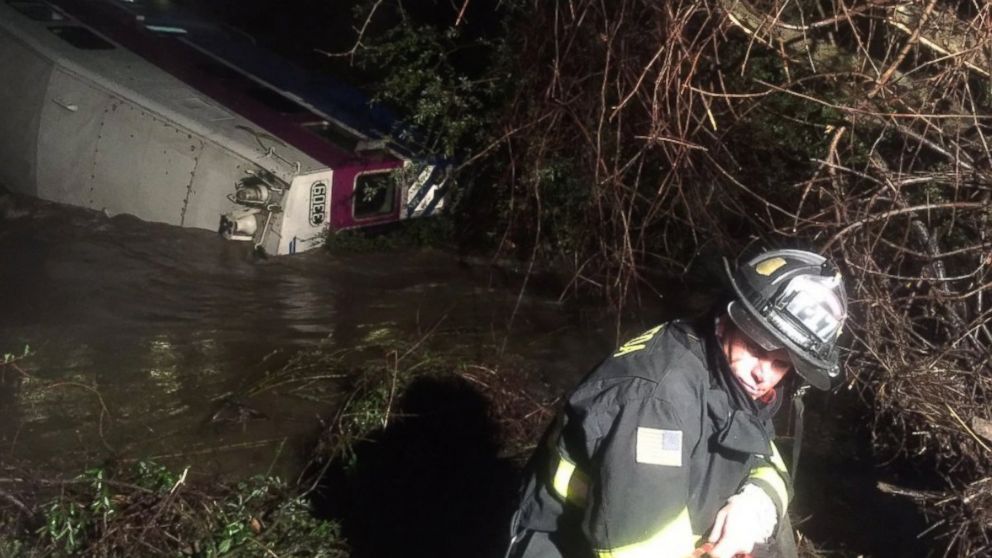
{"x":795,"y":300}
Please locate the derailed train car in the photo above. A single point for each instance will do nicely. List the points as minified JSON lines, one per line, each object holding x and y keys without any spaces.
{"x":111,"y":106}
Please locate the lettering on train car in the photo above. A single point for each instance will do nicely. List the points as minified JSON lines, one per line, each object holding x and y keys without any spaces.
{"x":318,"y":203}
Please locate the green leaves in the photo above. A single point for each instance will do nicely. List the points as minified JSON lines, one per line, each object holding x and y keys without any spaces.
{"x":154,"y":476}
{"x":447,"y":79}
{"x":65,"y":526}
{"x":446,"y":110}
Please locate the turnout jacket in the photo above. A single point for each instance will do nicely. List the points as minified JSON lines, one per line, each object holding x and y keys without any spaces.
{"x":648,"y":448}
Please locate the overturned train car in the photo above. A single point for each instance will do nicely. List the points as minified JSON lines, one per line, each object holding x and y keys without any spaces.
{"x":110,"y":106}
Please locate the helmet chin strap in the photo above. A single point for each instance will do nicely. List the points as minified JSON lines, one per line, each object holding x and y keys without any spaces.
{"x":798,"y":410}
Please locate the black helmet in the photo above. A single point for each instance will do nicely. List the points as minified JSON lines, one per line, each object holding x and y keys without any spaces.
{"x":794,"y":300}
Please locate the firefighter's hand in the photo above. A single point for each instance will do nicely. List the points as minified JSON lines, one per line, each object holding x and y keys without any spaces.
{"x":743,"y":522}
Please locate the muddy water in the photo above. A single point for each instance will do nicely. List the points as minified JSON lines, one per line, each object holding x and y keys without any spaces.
{"x":145,"y":339}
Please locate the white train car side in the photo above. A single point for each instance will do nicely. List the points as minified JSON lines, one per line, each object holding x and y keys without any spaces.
{"x":87,"y":121}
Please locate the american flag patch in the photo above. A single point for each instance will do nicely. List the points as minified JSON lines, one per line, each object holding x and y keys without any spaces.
{"x":659,"y":447}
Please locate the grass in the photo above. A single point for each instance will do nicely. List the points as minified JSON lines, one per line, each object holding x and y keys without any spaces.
{"x":145,"y":509}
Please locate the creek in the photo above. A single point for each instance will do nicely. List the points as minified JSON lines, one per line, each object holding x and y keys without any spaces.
{"x":146,"y":340}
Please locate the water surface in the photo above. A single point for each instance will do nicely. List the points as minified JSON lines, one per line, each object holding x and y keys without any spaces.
{"x":151,"y":341}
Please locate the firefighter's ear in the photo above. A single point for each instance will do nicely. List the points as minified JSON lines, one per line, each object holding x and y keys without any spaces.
{"x":721,"y":326}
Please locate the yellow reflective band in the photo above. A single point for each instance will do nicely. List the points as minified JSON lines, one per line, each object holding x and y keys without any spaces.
{"x":563,"y":474}
{"x":769,"y":475}
{"x":777,"y":460}
{"x":769,"y":266}
{"x":638,"y":342}
{"x":569,"y":483}
{"x":674,"y":539}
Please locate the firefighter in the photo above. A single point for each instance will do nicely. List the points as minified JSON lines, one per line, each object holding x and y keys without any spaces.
{"x":665,"y":449}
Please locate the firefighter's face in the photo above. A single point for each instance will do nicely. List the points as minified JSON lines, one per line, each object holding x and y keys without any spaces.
{"x":758,"y":370}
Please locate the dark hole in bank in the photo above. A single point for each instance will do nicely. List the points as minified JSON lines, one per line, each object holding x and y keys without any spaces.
{"x":431,"y":484}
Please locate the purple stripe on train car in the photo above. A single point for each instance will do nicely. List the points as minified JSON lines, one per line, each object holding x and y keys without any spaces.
{"x":229,"y":88}
{"x":322,"y":92}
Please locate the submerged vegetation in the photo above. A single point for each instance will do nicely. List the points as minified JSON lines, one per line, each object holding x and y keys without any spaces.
{"x":143,"y":508}
{"x":404,"y":235}
{"x":148,"y":510}
{"x":409,"y":432}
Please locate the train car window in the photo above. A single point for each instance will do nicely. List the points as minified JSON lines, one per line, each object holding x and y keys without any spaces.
{"x":275,"y":100}
{"x":219,"y":71}
{"x":81,"y":37}
{"x":37,"y":11}
{"x":375,"y":194}
{"x":334,"y":134}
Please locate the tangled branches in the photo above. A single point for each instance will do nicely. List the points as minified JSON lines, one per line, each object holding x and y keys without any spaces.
{"x":642,"y":132}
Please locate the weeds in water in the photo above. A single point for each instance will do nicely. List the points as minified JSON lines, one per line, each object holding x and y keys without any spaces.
{"x":65,"y":527}
{"x":436,"y":231}
{"x":9,"y":358}
{"x":154,"y":476}
{"x":148,"y":509}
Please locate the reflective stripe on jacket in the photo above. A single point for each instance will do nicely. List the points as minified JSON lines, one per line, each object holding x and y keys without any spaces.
{"x":646,"y":451}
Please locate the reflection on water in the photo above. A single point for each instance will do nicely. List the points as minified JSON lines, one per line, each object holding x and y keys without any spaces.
{"x":142,"y":333}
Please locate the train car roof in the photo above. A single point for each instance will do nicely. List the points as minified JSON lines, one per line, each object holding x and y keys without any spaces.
{"x":142,"y":53}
